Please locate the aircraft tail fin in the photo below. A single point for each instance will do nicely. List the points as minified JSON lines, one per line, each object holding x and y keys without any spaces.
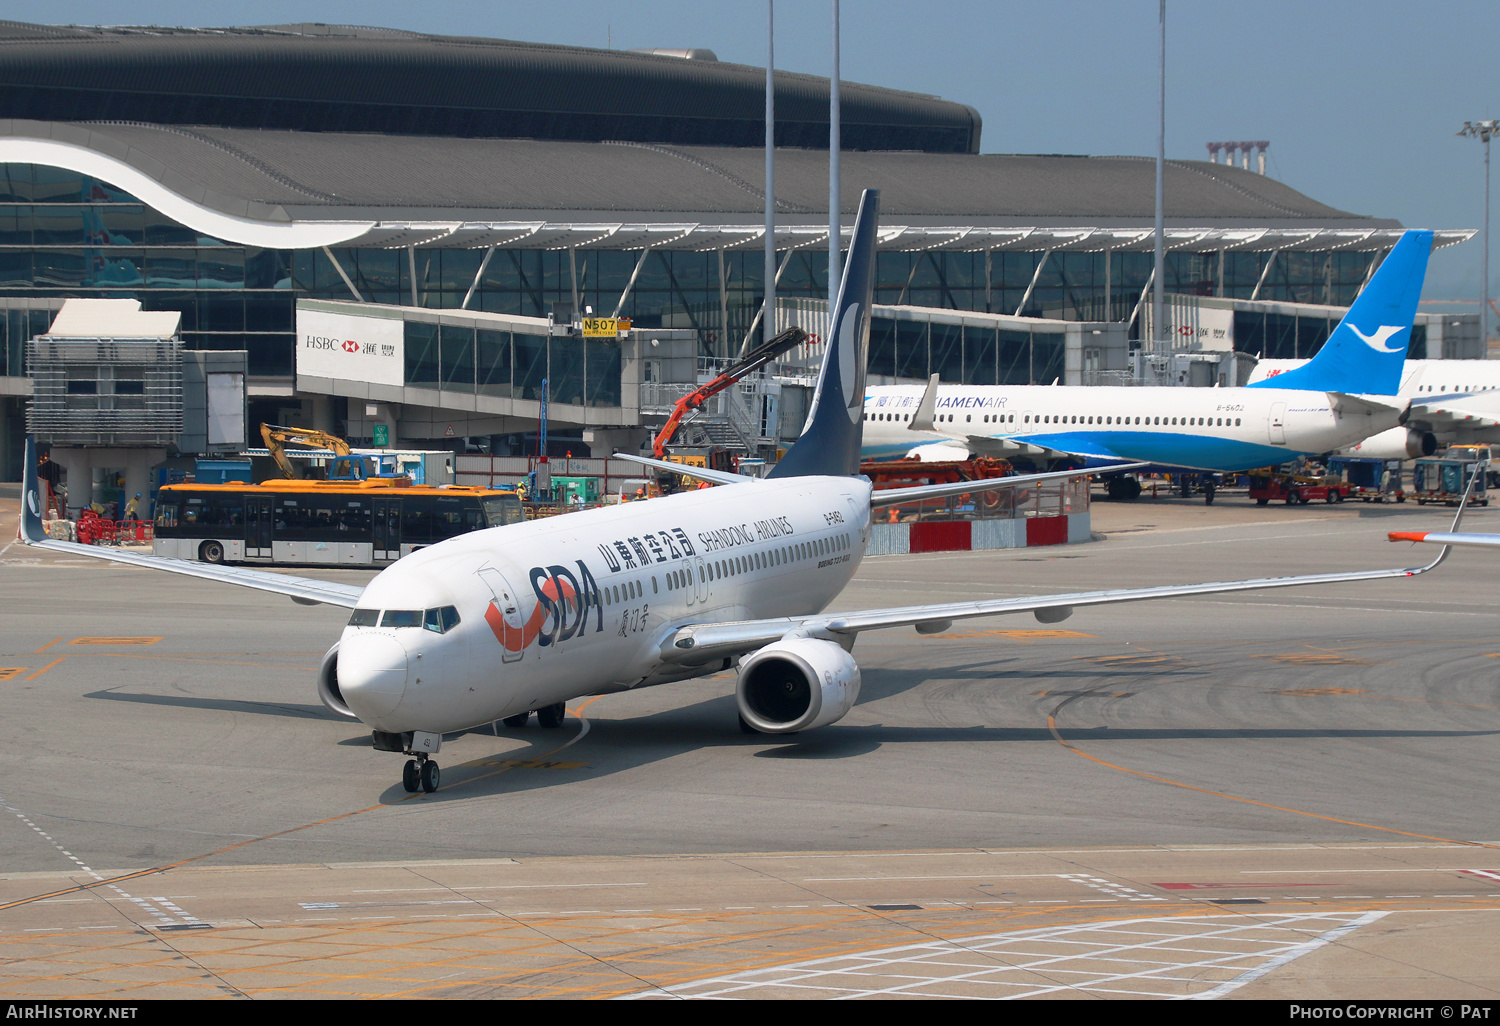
{"x":31,"y":530}
{"x":830,"y":439}
{"x":1365,"y":354}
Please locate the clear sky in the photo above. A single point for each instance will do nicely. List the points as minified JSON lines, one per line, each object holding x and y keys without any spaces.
{"x":1360,"y":99}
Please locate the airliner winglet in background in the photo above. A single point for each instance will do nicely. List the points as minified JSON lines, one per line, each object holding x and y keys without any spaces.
{"x":1334,"y":400}
{"x":499,"y":623}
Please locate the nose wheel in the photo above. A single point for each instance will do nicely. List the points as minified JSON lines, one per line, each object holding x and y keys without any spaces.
{"x":421,"y":772}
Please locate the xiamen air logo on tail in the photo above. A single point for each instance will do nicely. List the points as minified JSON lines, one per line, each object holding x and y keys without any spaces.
{"x":1378,"y":339}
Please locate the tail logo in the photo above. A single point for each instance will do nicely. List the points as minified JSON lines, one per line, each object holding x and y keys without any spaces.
{"x":1377,"y":340}
{"x":849,"y":360}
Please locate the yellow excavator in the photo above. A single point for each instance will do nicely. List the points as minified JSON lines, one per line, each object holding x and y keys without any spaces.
{"x":345,"y":467}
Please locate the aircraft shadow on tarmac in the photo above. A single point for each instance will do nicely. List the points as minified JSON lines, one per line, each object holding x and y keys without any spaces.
{"x":310,"y":712}
{"x":613,"y":746}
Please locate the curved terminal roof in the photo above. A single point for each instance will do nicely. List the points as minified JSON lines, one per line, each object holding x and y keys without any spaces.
{"x":333,"y":78}
{"x":295,"y":190}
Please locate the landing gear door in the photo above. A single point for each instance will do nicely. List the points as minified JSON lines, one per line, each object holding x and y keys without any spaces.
{"x":511,"y":631}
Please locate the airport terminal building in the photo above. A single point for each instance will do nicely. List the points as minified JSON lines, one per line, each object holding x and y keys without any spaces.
{"x":464,"y":201}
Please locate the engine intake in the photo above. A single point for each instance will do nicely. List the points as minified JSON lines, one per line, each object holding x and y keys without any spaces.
{"x":328,"y":685}
{"x":796,"y":684}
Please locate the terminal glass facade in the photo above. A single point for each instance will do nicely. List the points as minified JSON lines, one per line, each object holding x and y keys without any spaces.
{"x":471,"y":360}
{"x":68,"y":235}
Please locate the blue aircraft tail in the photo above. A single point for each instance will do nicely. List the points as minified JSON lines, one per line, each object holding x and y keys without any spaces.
{"x":830,"y":439}
{"x":31,"y":529}
{"x":1365,"y":353}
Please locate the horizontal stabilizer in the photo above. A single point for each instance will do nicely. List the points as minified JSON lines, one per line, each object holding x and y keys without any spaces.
{"x":697,"y":473}
{"x":900,"y":496}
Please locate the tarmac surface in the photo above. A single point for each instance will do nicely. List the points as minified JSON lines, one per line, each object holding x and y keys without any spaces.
{"x":1284,"y":794}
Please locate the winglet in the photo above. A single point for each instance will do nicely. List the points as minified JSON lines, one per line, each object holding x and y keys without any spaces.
{"x":1451,"y":537}
{"x":31,"y":530}
{"x":926,"y":413}
{"x":1366,"y":353}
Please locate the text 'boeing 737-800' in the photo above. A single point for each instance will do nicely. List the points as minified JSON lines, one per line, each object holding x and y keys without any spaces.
{"x":502,"y":622}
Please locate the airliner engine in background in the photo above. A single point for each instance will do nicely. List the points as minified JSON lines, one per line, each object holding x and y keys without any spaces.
{"x":1346,"y":393}
{"x":1451,"y":402}
{"x":499,"y":623}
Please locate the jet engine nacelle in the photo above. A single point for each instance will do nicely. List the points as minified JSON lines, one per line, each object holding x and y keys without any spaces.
{"x":1399,"y":443}
{"x":796,"y":684}
{"x":328,"y":685}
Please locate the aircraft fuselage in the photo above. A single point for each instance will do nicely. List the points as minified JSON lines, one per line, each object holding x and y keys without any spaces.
{"x":580,"y":604}
{"x":1220,"y":429}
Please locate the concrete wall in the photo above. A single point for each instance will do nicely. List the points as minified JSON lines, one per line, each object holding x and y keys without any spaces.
{"x":978,"y":535}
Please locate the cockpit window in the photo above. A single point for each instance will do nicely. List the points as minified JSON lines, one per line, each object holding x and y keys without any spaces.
{"x":401,"y":618}
{"x":440,"y":621}
{"x":364,"y":618}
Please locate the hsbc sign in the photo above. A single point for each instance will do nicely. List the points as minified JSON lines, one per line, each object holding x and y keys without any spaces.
{"x":350,"y":348}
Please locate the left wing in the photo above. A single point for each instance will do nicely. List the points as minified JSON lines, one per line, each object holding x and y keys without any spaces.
{"x":701,"y":643}
{"x":1447,"y":538}
{"x":705,"y":642}
{"x":304,"y":590}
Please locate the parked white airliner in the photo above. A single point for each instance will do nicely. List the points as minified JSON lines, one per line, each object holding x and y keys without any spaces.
{"x":1451,"y":402}
{"x":498,"y":623}
{"x":1346,"y":393}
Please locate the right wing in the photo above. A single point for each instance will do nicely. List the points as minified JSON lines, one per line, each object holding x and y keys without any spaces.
{"x":304,"y":590}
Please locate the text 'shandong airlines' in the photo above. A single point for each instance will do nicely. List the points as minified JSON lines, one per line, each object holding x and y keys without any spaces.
{"x":1348,"y":392}
{"x":498,"y":623}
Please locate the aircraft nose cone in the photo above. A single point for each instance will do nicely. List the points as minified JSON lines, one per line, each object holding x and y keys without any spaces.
{"x":372,"y":675}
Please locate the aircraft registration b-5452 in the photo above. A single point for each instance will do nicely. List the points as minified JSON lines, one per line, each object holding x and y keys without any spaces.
{"x":502,"y":622}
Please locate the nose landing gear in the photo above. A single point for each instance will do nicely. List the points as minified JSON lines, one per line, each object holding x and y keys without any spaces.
{"x":421,"y":772}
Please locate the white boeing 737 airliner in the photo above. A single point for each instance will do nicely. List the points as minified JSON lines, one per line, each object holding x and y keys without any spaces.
{"x":1346,"y":393}
{"x":1450,"y":402}
{"x":499,"y":623}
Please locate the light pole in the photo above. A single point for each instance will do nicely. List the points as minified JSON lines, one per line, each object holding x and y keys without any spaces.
{"x":1483,"y":130}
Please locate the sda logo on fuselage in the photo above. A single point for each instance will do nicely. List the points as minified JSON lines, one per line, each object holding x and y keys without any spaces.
{"x":563,"y":597}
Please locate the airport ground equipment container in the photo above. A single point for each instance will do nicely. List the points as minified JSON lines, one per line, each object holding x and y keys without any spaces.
{"x":1369,"y":479}
{"x":1443,"y":479}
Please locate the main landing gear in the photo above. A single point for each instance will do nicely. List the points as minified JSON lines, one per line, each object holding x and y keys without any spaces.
{"x":549,"y":717}
{"x":421,"y":772}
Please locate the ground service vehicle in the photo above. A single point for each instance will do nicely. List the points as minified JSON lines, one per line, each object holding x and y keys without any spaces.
{"x":320,"y":523}
{"x":1266,"y":485}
